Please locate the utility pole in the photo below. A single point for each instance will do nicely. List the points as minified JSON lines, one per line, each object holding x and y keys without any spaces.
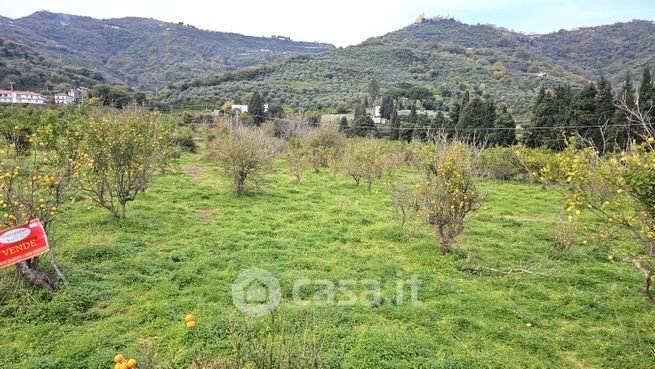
{"x":11,"y":84}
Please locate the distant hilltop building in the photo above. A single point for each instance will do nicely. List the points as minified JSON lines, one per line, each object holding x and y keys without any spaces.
{"x":422,"y":19}
{"x":21,"y":97}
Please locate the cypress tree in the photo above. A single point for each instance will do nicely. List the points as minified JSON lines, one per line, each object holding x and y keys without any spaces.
{"x":387,"y":107}
{"x":413,"y":117}
{"x":605,"y":101}
{"x":475,"y":117}
{"x":505,"y":129}
{"x":583,"y":112}
{"x":455,"y":111}
{"x":543,"y":118}
{"x":362,"y":123}
{"x":646,"y":91}
{"x":395,"y":125}
{"x":256,"y":108}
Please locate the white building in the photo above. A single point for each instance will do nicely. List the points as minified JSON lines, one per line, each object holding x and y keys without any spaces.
{"x":64,"y":99}
{"x":239,"y":109}
{"x":21,"y":97}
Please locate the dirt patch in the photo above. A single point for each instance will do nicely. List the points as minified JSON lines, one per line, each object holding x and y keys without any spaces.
{"x":206,"y":216}
{"x":195,"y":172}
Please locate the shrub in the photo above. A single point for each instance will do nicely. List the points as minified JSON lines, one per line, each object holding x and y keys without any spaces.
{"x":537,"y":164}
{"x":499,"y":163}
{"x":324,"y":144}
{"x":124,"y":150}
{"x":447,"y":192}
{"x":244,"y":153}
{"x":369,"y":159}
{"x":183,"y":140}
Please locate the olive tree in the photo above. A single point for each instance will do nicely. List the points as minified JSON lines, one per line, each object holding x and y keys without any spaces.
{"x":124,"y":150}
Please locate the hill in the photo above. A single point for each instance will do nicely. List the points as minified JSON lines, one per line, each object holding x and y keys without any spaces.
{"x":146,"y":53}
{"x":446,"y":55}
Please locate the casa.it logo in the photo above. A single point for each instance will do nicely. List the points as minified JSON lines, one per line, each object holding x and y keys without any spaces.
{"x":256,"y":292}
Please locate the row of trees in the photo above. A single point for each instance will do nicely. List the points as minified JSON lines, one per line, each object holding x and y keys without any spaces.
{"x":474,"y":118}
{"x":595,"y":113}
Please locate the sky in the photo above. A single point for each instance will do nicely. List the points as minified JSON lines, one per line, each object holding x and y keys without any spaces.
{"x":348,"y":22}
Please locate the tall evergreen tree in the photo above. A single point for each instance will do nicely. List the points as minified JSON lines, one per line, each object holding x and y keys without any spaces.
{"x":413,"y":116}
{"x":363,"y":125}
{"x":583,"y":113}
{"x":646,"y":91}
{"x":455,"y":111}
{"x":605,"y":101}
{"x":387,"y":107}
{"x":475,"y":119}
{"x":395,"y":125}
{"x":256,"y":108}
{"x":542,"y":122}
{"x":504,"y":133}
{"x":373,"y":90}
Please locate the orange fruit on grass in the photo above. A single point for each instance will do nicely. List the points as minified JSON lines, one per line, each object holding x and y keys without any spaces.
{"x":124,"y":366}
{"x":191,"y":324}
{"x":131,"y":363}
{"x":189,"y":318}
{"x":119,"y":358}
{"x":117,"y":366}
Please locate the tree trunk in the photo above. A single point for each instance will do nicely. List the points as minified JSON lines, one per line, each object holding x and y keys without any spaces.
{"x":369,"y":184}
{"x":37,"y":277}
{"x":122,"y":210}
{"x":444,"y":240}
{"x":647,"y":283}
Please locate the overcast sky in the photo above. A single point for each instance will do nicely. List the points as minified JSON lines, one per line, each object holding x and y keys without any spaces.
{"x":347,"y":22}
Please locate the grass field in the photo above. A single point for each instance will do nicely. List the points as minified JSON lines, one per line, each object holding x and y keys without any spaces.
{"x":188,"y":237}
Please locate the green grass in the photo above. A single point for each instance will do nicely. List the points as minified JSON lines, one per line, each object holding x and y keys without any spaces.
{"x":188,"y":237}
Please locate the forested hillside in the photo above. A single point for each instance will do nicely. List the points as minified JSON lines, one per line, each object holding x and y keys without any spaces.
{"x":447,"y":56}
{"x":146,"y":53}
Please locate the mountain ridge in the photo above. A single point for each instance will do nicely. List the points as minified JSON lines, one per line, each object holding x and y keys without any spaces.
{"x":449,"y":57}
{"x":145,"y":52}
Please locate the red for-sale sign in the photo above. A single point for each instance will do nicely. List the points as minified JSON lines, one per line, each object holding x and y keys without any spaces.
{"x":22,"y":242}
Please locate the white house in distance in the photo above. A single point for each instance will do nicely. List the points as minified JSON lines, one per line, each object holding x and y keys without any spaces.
{"x":239,"y":109}
{"x":244,"y":109}
{"x":21,"y":97}
{"x":64,"y":99}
